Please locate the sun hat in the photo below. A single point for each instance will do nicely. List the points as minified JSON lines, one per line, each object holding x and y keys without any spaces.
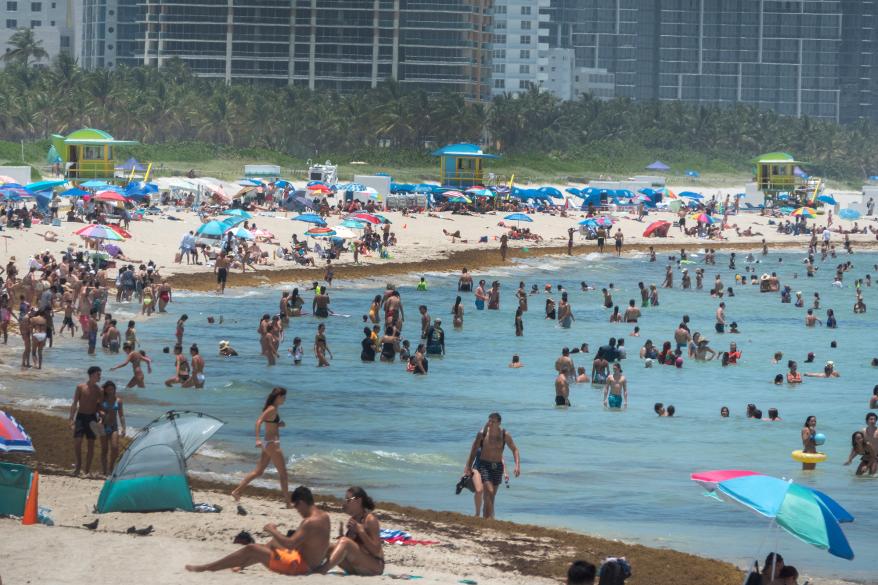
{"x":223,"y":344}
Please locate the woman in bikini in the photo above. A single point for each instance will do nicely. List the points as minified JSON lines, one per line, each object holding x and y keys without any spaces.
{"x":134,"y":358}
{"x":321,"y":348}
{"x":359,"y":550}
{"x":113,"y":421}
{"x":457,"y":312}
{"x":148,"y":301}
{"x":374,"y":309}
{"x":181,"y":368}
{"x":270,"y":446}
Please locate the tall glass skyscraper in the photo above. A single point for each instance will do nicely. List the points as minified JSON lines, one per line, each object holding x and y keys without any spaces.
{"x":796,"y":57}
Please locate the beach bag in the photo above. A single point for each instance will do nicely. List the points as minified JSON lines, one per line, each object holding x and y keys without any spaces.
{"x":178,"y":258}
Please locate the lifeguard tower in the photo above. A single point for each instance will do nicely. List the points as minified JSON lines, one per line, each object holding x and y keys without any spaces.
{"x":779,"y":178}
{"x":88,"y":154}
{"x":461,"y":165}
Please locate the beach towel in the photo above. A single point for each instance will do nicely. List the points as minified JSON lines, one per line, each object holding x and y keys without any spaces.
{"x":402,"y":537}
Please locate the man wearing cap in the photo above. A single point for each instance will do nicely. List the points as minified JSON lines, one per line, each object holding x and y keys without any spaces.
{"x":226,"y":350}
{"x":436,"y":339}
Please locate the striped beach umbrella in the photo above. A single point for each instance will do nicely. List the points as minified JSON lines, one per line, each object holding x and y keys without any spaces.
{"x":96,"y":231}
{"x":13,"y":437}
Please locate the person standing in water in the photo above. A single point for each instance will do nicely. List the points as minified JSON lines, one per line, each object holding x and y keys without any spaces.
{"x":809,"y":444}
{"x":562,"y":390}
{"x":270,"y":446}
{"x":135,"y":358}
{"x":486,"y":454}
{"x":565,"y":312}
{"x":321,"y":348}
{"x":113,"y":423}
{"x":457,"y":313}
{"x":616,"y":389}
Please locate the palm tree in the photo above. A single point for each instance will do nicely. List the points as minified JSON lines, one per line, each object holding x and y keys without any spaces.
{"x":24,"y":48}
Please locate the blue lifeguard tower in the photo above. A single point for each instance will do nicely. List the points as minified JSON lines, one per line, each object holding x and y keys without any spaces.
{"x":461,"y":165}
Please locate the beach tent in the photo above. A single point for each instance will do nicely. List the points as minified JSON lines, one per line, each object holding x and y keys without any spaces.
{"x":658,"y":166}
{"x":151,"y":475}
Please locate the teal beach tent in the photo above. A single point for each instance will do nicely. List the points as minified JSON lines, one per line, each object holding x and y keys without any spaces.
{"x":151,"y":475}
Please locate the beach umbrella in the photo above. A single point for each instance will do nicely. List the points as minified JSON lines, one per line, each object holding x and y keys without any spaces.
{"x":44,"y":185}
{"x":15,"y":193}
{"x":605,"y":221}
{"x":111,"y":197}
{"x":351,"y":187}
{"x":13,"y":437}
{"x":704,"y":218}
{"x":283,"y":183}
{"x":343,"y":232}
{"x":691,"y":195}
{"x":74,"y":192}
{"x":667,"y":193}
{"x":401,"y":188}
{"x":657,"y":228}
{"x":94,"y":184}
{"x":808,"y":514}
{"x":232,"y":220}
{"x":242,"y":233}
{"x":319,"y":188}
{"x":457,"y":197}
{"x":424,"y":188}
{"x":808,"y":212}
{"x":212,"y":229}
{"x":589,"y":222}
{"x":551,"y":191}
{"x":518,"y":217}
{"x":355,"y":224}
{"x":237,"y":213}
{"x":320,"y":232}
{"x":250,"y":182}
{"x":96,"y":231}
{"x":119,"y":230}
{"x":828,"y":199}
{"x":381,"y":218}
{"x":574,"y":191}
{"x":849,"y":213}
{"x":367,"y":217}
{"x":310,"y":218}
{"x":641,"y":198}
{"x":312,"y":183}
{"x":6,"y":179}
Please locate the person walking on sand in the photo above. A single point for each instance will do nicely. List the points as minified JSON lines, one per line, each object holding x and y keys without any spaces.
{"x":84,"y":412}
{"x":113,"y":425}
{"x":221,"y":268}
{"x":486,"y":454}
{"x":619,"y":239}
{"x":270,"y":446}
{"x":299,"y":554}
{"x":570,"y":232}
{"x":504,"y":245}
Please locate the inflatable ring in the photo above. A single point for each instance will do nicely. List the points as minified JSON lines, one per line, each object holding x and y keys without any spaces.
{"x":803,"y":457}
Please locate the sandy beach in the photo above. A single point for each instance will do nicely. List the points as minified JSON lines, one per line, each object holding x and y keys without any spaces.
{"x":483,"y":552}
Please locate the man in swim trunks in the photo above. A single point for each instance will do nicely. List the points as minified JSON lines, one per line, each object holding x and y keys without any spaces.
{"x":221,"y":268}
{"x":481,"y":296}
{"x":488,"y":449}
{"x":393,"y":311}
{"x":721,"y":318}
{"x":320,"y":304}
{"x":83,"y":412}
{"x":632,"y":313}
{"x":616,"y":389}
{"x":299,"y":554}
{"x":465,"y":282}
{"x":562,"y":391}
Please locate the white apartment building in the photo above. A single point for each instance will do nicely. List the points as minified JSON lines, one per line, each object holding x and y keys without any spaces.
{"x":520,"y":45}
{"x":51,"y":21}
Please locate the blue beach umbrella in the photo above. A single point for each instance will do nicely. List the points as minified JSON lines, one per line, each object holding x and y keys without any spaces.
{"x":212,"y":229}
{"x":94,"y":184}
{"x":237,"y":213}
{"x":551,"y":191}
{"x":691,"y":195}
{"x":233,"y":220}
{"x":519,"y":217}
{"x":242,"y":233}
{"x":74,"y":192}
{"x":354,"y":224}
{"x":589,"y":222}
{"x":310,"y":218}
{"x":44,"y":185}
{"x":808,"y":514}
{"x":828,"y":199}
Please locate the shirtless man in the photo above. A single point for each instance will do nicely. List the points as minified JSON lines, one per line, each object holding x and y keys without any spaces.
{"x":299,"y":554}
{"x":562,"y":391}
{"x":481,"y":296}
{"x":221,"y":269}
{"x":320,"y":304}
{"x":425,"y":321}
{"x":632,"y":313}
{"x":811,"y":319}
{"x":720,"y":325}
{"x":686,"y":279}
{"x":682,"y":337}
{"x":565,"y":312}
{"x":112,"y":338}
{"x":669,"y":278}
{"x":83,"y":412}
{"x":39,"y":331}
{"x":504,"y":244}
{"x":491,"y":441}
{"x":494,"y":296}
{"x":134,"y":358}
{"x":616,"y":389}
{"x":465,"y":282}
{"x":564,"y":365}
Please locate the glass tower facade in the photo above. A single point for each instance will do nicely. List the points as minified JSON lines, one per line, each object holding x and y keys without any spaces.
{"x":342,"y":45}
{"x":796,"y":57}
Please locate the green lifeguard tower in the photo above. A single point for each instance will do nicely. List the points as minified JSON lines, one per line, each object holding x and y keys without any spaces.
{"x":88,"y":154}
{"x":779,"y":177}
{"x":461,"y":165}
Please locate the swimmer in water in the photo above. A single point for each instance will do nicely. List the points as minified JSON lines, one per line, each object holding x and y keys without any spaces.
{"x":562,"y":390}
{"x":516,"y":362}
{"x":616,"y":389}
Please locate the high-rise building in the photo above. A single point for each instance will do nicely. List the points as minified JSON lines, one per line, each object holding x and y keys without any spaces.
{"x":51,"y":22}
{"x":342,"y":45}
{"x":800,"y":58}
{"x":520,"y":45}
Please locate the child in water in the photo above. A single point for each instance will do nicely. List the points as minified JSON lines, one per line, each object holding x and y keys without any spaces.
{"x":296,"y":351}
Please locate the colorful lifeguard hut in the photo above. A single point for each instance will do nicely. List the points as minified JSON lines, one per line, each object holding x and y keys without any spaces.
{"x":780,"y":178}
{"x":462,"y":165}
{"x":88,"y":154}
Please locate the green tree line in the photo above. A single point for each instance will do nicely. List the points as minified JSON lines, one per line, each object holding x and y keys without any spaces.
{"x":394,"y":124}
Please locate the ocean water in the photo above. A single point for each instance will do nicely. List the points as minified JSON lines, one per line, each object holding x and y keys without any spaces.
{"x":620,"y":474}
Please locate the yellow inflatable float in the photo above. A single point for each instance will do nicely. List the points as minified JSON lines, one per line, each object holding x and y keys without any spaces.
{"x":803,"y":457}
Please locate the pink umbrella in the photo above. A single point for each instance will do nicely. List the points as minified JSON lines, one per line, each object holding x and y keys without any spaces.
{"x":110,"y":196}
{"x":13,"y":436}
{"x":709,"y":479}
{"x":367,"y":217}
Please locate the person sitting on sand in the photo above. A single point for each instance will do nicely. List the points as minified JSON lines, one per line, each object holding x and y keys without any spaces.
{"x":299,"y":554}
{"x":359,"y":550}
